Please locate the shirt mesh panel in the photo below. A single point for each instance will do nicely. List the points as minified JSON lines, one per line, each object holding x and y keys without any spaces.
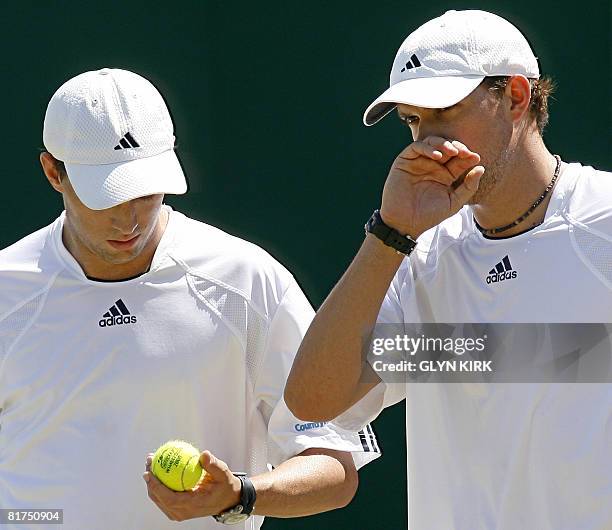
{"x":15,"y":323}
{"x":251,"y":328}
{"x":249,"y":325}
{"x":597,"y":250}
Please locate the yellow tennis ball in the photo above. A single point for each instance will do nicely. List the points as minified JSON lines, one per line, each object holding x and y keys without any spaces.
{"x":177,"y":465}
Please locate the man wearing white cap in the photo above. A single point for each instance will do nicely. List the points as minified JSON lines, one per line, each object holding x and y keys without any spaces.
{"x":497,"y":230}
{"x":125,"y":324}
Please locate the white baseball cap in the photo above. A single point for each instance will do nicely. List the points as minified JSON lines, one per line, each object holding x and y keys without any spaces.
{"x":113,"y":131}
{"x":445,"y":59}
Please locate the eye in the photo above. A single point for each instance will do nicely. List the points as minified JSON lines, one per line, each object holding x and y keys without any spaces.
{"x":408,"y":120}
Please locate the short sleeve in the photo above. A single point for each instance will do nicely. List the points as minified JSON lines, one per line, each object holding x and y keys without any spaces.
{"x":287,"y":435}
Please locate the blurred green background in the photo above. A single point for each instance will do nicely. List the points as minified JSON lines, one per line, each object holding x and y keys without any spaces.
{"x":267,"y":99}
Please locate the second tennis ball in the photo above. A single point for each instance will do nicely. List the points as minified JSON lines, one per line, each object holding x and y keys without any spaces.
{"x":177,"y":465}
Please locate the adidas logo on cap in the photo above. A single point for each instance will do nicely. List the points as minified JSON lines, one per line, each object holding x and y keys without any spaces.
{"x":117,"y":314}
{"x":127,"y":142}
{"x":502,"y":271}
{"x":412,"y":63}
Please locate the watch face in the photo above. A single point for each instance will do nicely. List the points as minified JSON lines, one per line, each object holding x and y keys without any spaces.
{"x":232,"y":516}
{"x":235,"y":518}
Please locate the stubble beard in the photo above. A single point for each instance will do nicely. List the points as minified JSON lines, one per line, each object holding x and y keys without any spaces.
{"x":108,"y":255}
{"x":118,"y":257}
{"x":495,"y":172}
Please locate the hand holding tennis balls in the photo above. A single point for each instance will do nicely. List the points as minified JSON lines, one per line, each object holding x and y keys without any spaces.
{"x":177,"y":465}
{"x":203,"y":484}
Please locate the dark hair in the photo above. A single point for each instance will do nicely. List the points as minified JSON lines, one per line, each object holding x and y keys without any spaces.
{"x":541,"y":89}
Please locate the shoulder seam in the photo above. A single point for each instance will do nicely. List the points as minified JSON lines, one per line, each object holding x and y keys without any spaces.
{"x":205,"y":276}
{"x":571,"y":221}
{"x":212,"y":308}
{"x":29,"y":299}
{"x":44,"y":292}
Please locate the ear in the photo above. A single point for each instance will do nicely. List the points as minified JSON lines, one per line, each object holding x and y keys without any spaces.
{"x":518,"y":91}
{"x":51,"y":172}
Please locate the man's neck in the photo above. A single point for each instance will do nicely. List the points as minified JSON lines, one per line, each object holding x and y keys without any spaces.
{"x":525,"y":179}
{"x":96,"y":268}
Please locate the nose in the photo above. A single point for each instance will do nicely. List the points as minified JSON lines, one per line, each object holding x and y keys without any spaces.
{"x":426,"y":126}
{"x":424,"y":131}
{"x":125,"y":219}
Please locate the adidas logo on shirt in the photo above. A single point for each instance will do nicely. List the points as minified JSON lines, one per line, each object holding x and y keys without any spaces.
{"x":117,"y":314}
{"x":502,"y":271}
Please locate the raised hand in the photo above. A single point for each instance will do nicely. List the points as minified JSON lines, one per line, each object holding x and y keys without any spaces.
{"x":429,"y":181}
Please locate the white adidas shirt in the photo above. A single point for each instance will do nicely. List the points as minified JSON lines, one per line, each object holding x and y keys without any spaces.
{"x":94,"y":375}
{"x":508,"y":456}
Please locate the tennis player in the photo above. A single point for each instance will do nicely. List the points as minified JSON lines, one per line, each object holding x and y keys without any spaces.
{"x":479,"y":222}
{"x":124,"y":324}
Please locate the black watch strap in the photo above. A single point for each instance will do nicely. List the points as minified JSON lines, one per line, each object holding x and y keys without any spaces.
{"x":403,"y":244}
{"x":248,"y":496}
{"x":242,"y":511}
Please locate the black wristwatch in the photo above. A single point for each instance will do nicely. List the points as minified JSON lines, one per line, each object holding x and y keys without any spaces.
{"x":242,"y":511}
{"x":403,"y":244}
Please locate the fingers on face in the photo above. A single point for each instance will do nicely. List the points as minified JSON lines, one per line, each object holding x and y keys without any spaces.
{"x":468,"y":187}
{"x":434,"y":147}
{"x":426,"y":169}
{"x":464,"y":152}
{"x":438,"y":159}
{"x":440,"y":150}
{"x":443,"y":146}
{"x":458,"y":166}
{"x":472,"y":179}
{"x":464,"y":161}
{"x":420,"y":149}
